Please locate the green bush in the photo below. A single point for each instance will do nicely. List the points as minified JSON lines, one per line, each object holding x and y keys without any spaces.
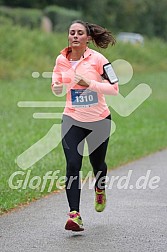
{"x":24,"y":51}
{"x":5,"y":21}
{"x":22,"y":16}
{"x":61,"y":17}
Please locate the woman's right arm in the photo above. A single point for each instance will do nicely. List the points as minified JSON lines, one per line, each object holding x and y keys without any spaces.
{"x":56,"y":86}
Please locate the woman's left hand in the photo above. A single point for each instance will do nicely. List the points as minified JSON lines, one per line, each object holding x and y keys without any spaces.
{"x":82,"y":81}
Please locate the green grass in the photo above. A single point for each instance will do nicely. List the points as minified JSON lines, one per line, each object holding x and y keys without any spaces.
{"x":141,"y":133}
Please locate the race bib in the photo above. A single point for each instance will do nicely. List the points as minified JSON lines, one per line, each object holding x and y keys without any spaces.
{"x":83,"y":98}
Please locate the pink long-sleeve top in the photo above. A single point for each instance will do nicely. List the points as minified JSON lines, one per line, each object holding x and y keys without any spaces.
{"x":82,"y":103}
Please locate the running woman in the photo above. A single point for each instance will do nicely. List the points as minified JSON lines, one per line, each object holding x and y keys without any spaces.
{"x":86,"y":115}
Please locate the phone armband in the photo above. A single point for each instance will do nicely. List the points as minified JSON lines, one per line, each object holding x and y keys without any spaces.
{"x":109,"y":74}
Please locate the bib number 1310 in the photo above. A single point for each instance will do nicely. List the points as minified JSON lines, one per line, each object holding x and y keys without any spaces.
{"x":83,"y":98}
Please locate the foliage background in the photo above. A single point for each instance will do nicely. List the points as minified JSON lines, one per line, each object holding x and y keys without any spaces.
{"x":142,"y":16}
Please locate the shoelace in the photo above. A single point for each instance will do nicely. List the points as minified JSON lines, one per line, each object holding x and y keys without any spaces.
{"x":99,"y":198}
{"x":73,"y":215}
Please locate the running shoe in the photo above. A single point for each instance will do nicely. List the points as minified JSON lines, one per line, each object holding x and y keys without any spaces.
{"x":74,"y":223}
{"x":100,"y":200}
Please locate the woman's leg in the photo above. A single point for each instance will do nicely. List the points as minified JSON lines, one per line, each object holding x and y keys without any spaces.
{"x":71,"y":139}
{"x":97,"y":160}
{"x":97,"y":156}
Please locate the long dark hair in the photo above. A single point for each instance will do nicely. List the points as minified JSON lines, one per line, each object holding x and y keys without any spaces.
{"x":101,"y":37}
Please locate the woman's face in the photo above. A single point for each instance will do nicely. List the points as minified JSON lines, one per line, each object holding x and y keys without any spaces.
{"x":77,"y":36}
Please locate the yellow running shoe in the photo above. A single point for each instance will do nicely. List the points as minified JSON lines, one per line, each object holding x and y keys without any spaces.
{"x":100,"y":200}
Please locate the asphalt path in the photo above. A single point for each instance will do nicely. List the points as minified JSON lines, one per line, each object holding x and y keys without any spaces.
{"x":135,"y":218}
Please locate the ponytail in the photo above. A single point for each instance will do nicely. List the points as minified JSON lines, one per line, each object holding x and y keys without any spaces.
{"x":101,"y":37}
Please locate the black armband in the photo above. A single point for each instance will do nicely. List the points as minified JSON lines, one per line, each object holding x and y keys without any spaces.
{"x":109,"y":74}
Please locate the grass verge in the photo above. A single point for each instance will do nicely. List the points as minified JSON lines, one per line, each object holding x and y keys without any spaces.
{"x":141,"y":133}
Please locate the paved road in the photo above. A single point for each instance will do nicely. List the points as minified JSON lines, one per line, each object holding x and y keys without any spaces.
{"x":134,"y":220}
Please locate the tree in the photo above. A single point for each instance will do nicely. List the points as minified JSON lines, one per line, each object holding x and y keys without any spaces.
{"x":27,"y":3}
{"x":143,"y":16}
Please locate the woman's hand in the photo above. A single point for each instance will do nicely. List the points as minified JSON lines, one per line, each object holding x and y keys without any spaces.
{"x":57,"y":88}
{"x":82,"y":81}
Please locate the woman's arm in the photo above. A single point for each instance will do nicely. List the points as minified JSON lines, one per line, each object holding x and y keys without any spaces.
{"x":56,"y":85}
{"x":103,"y":87}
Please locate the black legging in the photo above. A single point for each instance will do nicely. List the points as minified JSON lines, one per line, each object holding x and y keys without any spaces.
{"x":73,"y":135}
